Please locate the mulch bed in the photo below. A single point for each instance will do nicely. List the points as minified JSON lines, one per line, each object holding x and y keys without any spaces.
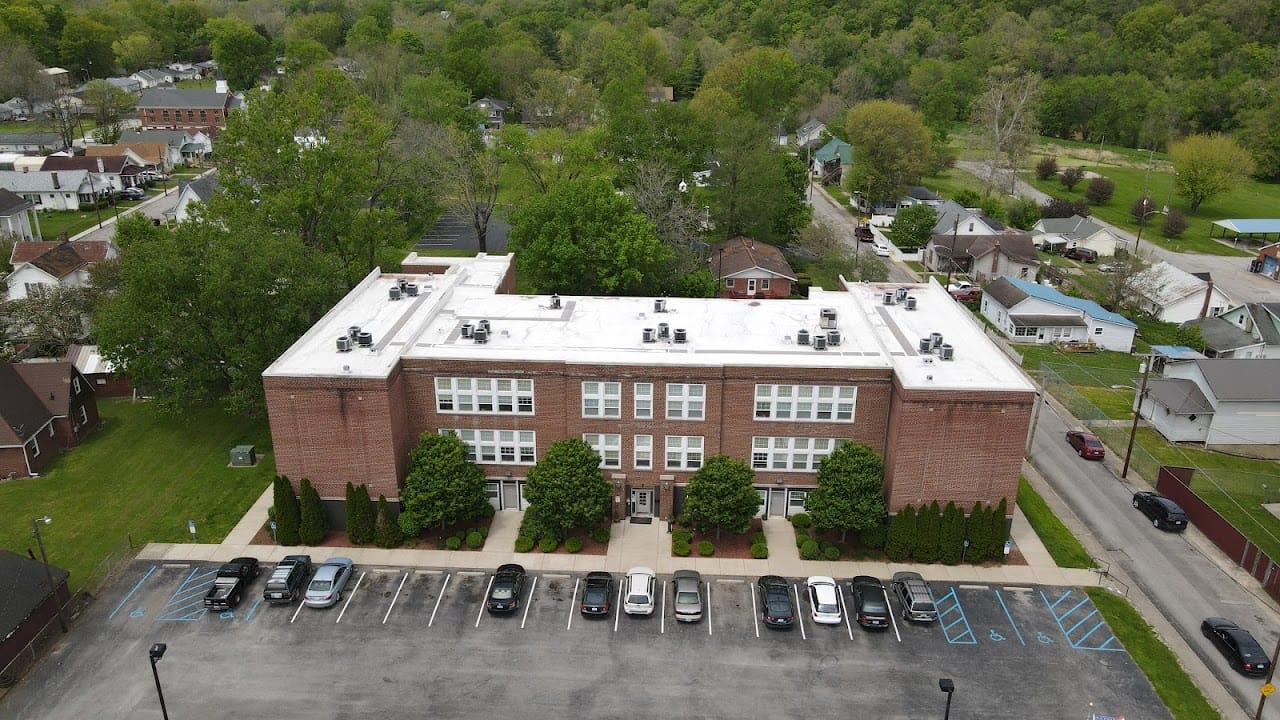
{"x":729,"y":545}
{"x":431,"y":539}
{"x":589,"y":546}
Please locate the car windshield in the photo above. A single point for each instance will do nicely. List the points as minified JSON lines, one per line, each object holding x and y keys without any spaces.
{"x":638,"y":599}
{"x":321,"y":585}
{"x":924,"y":607}
{"x":1092,"y":442}
{"x":687,"y":598}
{"x":873,"y":600}
{"x":595,"y":594}
{"x":829,"y":608}
{"x":502,"y":592}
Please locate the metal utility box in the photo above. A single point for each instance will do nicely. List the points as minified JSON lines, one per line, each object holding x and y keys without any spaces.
{"x":243,"y":456}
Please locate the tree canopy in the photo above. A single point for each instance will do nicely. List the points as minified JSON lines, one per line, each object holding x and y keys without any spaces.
{"x":567,"y":488}
{"x":1208,"y":166}
{"x":850,"y":492}
{"x":892,"y":148}
{"x":443,"y":487}
{"x":721,"y":495}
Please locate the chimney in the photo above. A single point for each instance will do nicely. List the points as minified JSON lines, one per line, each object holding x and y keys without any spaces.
{"x":56,"y":184}
{"x":101,"y":167}
{"x":1208,"y":297}
{"x":995,"y":261}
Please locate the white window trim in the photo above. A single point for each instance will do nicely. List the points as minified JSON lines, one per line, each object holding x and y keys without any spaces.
{"x":643,"y":391}
{"x":604,"y":401}
{"x":466,"y":396}
{"x":35,"y":447}
{"x":608,"y":446}
{"x":486,"y":447}
{"x":84,"y":415}
{"x":689,"y":450}
{"x":642,"y":448}
{"x":686,"y":401}
{"x":790,"y":454}
{"x":791,"y":403}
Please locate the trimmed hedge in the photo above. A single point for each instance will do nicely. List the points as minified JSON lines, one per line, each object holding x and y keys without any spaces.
{"x":524,"y":544}
{"x":801,"y":520}
{"x":453,"y":543}
{"x":573,"y":544}
{"x":681,"y":549}
{"x":810,"y":550}
{"x":759,"y":539}
{"x":475,"y":540}
{"x":706,"y":549}
{"x":760,"y":551}
{"x":831,"y":552}
{"x":684,"y":536}
{"x":600,"y":534}
{"x":548,"y":544}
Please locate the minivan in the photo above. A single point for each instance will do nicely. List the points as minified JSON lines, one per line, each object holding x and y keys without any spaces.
{"x":915,"y":596}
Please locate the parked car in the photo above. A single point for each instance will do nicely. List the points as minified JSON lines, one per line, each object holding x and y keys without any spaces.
{"x":506,"y":589}
{"x":1241,"y":650}
{"x":229,"y":584}
{"x":864,"y":233}
{"x":133,"y":193}
{"x":959,"y":285}
{"x":688,"y":595}
{"x":1164,"y":513}
{"x":880,"y":249}
{"x":287,"y":579}
{"x":597,"y":594}
{"x":870,"y":602}
{"x":639,"y":590}
{"x":967,"y":294}
{"x":915,"y":596}
{"x":824,"y":600}
{"x":1083,"y":254}
{"x":1112,"y":267}
{"x":776,"y":608}
{"x":330,"y":580}
{"x":1087,"y":445}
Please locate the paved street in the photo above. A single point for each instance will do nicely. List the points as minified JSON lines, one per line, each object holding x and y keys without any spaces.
{"x":826,"y":210}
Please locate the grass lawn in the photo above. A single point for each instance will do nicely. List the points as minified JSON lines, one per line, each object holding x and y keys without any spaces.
{"x":72,"y":222}
{"x":1175,"y":688}
{"x":1116,"y":403}
{"x":949,"y":182}
{"x":144,"y":473}
{"x":1063,"y":547}
{"x":1103,"y":360}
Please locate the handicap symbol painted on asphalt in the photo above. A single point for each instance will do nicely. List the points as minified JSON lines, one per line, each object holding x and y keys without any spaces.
{"x":1044,"y":639}
{"x":997,"y":637}
{"x":228,"y":615}
{"x":136,"y":612}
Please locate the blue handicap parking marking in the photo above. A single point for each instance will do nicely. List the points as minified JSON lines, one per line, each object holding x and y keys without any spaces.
{"x":951,"y":617}
{"x":1043,"y":639}
{"x":136,"y":612}
{"x":1008,"y":615}
{"x":1080,"y":622}
{"x":997,"y":637}
{"x":187,"y":602}
{"x":227,"y":614}
{"x":131,"y":593}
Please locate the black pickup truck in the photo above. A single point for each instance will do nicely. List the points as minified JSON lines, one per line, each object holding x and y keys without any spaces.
{"x":287,"y":579}
{"x":229,"y":585}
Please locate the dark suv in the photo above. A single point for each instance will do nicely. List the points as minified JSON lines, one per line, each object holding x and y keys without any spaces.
{"x":1083,"y":254}
{"x":1164,"y":513}
{"x":287,"y":579}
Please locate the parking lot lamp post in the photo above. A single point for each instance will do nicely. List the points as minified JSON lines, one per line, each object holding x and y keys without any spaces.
{"x":157,"y":652}
{"x":948,"y":687}
{"x":48,"y":573}
{"x":1137,"y":414}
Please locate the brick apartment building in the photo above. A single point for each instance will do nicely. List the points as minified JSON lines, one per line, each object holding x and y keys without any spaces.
{"x":654,"y":385}
{"x":184,"y":109}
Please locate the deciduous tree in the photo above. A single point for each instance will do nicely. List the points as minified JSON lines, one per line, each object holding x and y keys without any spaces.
{"x":892,"y":148}
{"x":912,"y":226}
{"x":52,"y":320}
{"x":567,"y":487}
{"x":469,"y":174}
{"x":1006,"y":112}
{"x":110,"y":104}
{"x":22,"y":76}
{"x":1208,"y":166}
{"x":241,"y":53}
{"x":850,"y":492}
{"x":721,"y":495}
{"x":443,"y":487}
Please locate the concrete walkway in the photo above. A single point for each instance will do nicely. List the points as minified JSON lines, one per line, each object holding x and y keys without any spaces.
{"x":630,"y":545}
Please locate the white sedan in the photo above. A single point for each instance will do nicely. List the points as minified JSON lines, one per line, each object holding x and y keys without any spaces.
{"x":824,"y":600}
{"x":880,"y":249}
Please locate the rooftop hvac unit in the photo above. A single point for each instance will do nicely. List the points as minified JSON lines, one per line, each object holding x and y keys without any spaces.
{"x":650,"y":335}
{"x":833,"y":338}
{"x":911,"y":302}
{"x":394,"y":292}
{"x":900,"y":294}
{"x":664,"y":331}
{"x":365,"y":339}
{"x":681,"y":336}
{"x":344,"y":343}
{"x":926,"y":345}
{"x":660,"y":305}
{"x":819,"y":342}
{"x":827,"y":318}
{"x":411,"y":289}
{"x":888,"y":298}
{"x":484,"y":325}
{"x":555,"y":302}
{"x":947,"y":352}
{"x":481,"y":335}
{"x":802,"y":337}
{"x":935,"y":338}
{"x":466,"y":330}
{"x":353,"y":331}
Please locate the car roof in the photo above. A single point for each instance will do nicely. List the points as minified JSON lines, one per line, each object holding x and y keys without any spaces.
{"x":641,"y":570}
{"x":1168,"y":503}
{"x":860,"y":579}
{"x":774,"y":580}
{"x":510,"y":568}
{"x":903,"y":575}
{"x":686,"y":575}
{"x":326,"y":572}
{"x":597,"y":575}
{"x":338,"y":561}
{"x":820,"y":579}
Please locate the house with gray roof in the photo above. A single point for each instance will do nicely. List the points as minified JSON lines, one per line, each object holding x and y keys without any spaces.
{"x":1226,"y":403}
{"x":956,"y":219}
{"x":18,"y":216}
{"x":1031,"y":313}
{"x":131,"y":85}
{"x":982,"y":257}
{"x":180,"y":108}
{"x":192,"y":193}
{"x":1064,"y":233}
{"x":31,"y":143}
{"x":154,"y":77}
{"x":1251,"y":330}
{"x":1171,"y":294}
{"x":57,"y":190}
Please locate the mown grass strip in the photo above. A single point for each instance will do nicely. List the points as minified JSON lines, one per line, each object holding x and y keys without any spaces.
{"x":1063,"y":547}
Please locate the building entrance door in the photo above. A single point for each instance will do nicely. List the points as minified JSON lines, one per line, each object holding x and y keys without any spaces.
{"x":778,"y":503}
{"x":641,"y":502}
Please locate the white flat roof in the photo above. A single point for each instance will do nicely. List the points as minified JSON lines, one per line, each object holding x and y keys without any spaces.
{"x":609,"y":330}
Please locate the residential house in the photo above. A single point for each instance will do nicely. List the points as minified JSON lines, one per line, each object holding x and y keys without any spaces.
{"x":39,"y":264}
{"x":748,"y":269}
{"x":28,"y":605}
{"x":1228,"y":404}
{"x":174,"y":108}
{"x":811,"y":135}
{"x":192,"y":192}
{"x":702,"y":178}
{"x":831,"y":160}
{"x":120,"y":171}
{"x":65,"y":190}
{"x":107,"y":380}
{"x":1251,"y":330}
{"x":44,"y":407}
{"x":18,"y":217}
{"x":131,"y":85}
{"x":154,"y":77}
{"x":11,"y":109}
{"x":982,"y":257}
{"x":492,"y":110}
{"x":184,"y":147}
{"x":39,"y":143}
{"x":153,"y":156}
{"x":1060,"y":234}
{"x":1028,"y":312}
{"x":1267,"y":263}
{"x":955,"y":219}
{"x":61,"y":77}
{"x":1173,"y":295}
{"x":183,"y":71}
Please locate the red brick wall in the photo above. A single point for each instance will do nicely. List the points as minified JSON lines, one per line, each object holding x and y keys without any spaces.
{"x":778,"y":288}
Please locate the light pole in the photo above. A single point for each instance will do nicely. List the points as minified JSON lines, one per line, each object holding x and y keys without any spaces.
{"x":1137,"y":413}
{"x":157,"y":652}
{"x":948,"y":687}
{"x":1142,"y":221}
{"x":48,"y":573}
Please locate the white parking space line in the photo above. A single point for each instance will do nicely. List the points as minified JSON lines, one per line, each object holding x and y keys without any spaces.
{"x":662,"y":627}
{"x":799,"y":613}
{"x":845,"y":610}
{"x":347,"y":604}
{"x":889,"y":606}
{"x":528,"y":602}
{"x":755,"y":616}
{"x":438,"y":599}
{"x":393,"y":600}
{"x":708,"y":608}
{"x":573,"y":601}
{"x":487,"y":588}
{"x":295,"y":612}
{"x":617,"y":611}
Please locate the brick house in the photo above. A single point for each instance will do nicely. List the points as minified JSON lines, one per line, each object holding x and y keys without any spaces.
{"x":748,"y":269}
{"x":27,"y":604}
{"x":172,"y":108}
{"x":654,"y":385}
{"x":44,"y":407}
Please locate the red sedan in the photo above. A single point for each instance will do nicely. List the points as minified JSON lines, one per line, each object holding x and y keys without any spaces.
{"x":1087,"y":445}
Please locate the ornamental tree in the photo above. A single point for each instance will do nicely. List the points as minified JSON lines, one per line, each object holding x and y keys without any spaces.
{"x":721,"y":494}
{"x":288,"y":513}
{"x":567,"y":488}
{"x":443,"y":487}
{"x":850,"y":492}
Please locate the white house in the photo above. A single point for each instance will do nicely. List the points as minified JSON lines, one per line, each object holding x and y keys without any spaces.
{"x":1076,"y":231}
{"x":38,"y":265}
{"x":1225,"y":403}
{"x":811,"y":134}
{"x":1032,"y":313}
{"x":1172,"y":295}
{"x":63,"y":190}
{"x":1251,"y":330}
{"x":153,"y":77}
{"x":192,"y":193}
{"x":954,"y":218}
{"x":983,"y":257}
{"x":18,"y":216}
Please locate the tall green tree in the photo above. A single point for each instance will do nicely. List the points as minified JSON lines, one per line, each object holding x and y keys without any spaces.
{"x":757,"y":190}
{"x":443,"y":487}
{"x":850,"y":492}
{"x":567,"y":488}
{"x":361,"y":514}
{"x":901,"y":542}
{"x":388,"y":534}
{"x":928,"y":533}
{"x":241,"y":52}
{"x":315,"y":524}
{"x":85,"y":47}
{"x":110,"y":105}
{"x":721,"y":495}
{"x":1208,"y":166}
{"x":977,"y":532}
{"x":951,"y":535}
{"x":912,"y":226}
{"x":22,"y":76}
{"x":892,"y":148}
{"x":288,"y":511}
{"x":763,"y":81}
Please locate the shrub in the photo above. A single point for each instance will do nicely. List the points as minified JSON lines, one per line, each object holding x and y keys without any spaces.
{"x":901,"y":541}
{"x":387,"y":532}
{"x":1023,"y":213}
{"x":760,"y":551}
{"x":951,"y":535}
{"x":461,"y":535}
{"x":1141,"y":209}
{"x":1099,"y":191}
{"x":928,"y":529}
{"x":1059,"y":208}
{"x":802,"y":537}
{"x":684,"y":536}
{"x":831,"y":552}
{"x":362,"y":514}
{"x":534,"y":526}
{"x":801,"y":521}
{"x":681,"y":549}
{"x":759,"y":539}
{"x":475,"y":540}
{"x":484,"y":532}
{"x":874,"y":537}
{"x":600,"y":534}
{"x":976,"y":530}
{"x":315,"y":524}
{"x":573,"y":544}
{"x":488,"y":511}
{"x":1047,"y":168}
{"x":452,"y":543}
{"x":288,"y":512}
{"x":548,"y":544}
{"x":810,"y":550}
{"x":1174,"y":224}
{"x":706,"y":549}
{"x":524,"y":544}
{"x":1071,"y":177}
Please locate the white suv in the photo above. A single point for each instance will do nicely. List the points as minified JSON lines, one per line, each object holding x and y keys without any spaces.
{"x":639,"y":591}
{"x":824,"y":600}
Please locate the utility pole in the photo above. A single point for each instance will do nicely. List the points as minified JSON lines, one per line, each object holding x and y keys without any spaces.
{"x":951,"y":261}
{"x":1137,"y":414}
{"x":1267,"y":687}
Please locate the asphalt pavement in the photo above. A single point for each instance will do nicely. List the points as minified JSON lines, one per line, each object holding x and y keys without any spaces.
{"x":827,"y":210}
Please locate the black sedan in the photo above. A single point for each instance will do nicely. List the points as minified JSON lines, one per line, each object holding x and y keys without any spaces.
{"x":870,"y":602}
{"x":597,"y":594}
{"x":1241,"y":650}
{"x":776,"y":610}
{"x":1164,"y":513}
{"x":506,"y":588}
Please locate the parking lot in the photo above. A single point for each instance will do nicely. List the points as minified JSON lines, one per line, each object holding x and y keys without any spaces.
{"x":418,"y":640}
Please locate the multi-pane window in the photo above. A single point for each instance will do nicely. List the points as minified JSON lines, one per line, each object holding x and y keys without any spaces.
{"x":643,"y":451}
{"x":684,"y":452}
{"x":608,"y":447}
{"x":644,"y":401}
{"x":833,"y":403}
{"x":1024,"y":331}
{"x":498,"y":447}
{"x":601,"y":399}
{"x":496,"y":396}
{"x":790,"y":453}
{"x":686,"y":402}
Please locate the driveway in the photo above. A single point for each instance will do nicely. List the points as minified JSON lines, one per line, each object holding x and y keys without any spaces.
{"x":827,"y":210}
